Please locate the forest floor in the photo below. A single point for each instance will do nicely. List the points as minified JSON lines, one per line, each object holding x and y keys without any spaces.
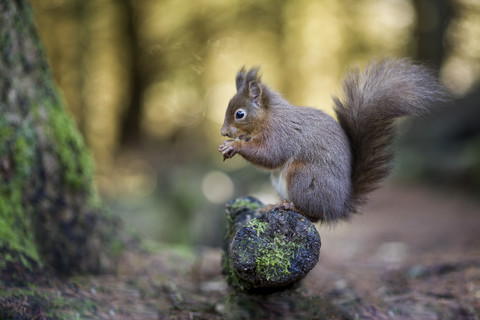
{"x":414,"y":254}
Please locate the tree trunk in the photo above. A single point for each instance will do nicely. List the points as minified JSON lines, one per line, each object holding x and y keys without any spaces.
{"x":130,"y":124}
{"x":433,"y":20}
{"x":50,"y":215}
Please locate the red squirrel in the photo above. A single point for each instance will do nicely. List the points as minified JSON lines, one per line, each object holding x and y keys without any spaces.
{"x":324,"y":169}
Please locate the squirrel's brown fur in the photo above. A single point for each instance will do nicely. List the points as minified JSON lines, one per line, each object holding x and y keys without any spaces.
{"x":324,"y":167}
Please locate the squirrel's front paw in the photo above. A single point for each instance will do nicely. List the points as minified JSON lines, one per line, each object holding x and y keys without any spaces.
{"x":228,"y":149}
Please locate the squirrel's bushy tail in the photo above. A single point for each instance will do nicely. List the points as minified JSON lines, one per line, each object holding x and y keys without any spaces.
{"x":373,"y":99}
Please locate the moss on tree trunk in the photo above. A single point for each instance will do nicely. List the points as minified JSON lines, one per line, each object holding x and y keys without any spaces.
{"x":50,"y":215}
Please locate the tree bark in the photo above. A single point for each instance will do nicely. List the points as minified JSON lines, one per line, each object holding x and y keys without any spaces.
{"x":50,"y":214}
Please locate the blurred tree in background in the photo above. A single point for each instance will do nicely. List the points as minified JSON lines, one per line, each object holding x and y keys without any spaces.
{"x":148,"y":82}
{"x":444,"y":148}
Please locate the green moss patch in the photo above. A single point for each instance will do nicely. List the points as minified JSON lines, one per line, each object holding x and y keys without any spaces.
{"x":70,"y":147}
{"x":274,"y":260}
{"x":244,"y":203}
{"x":16,"y":162}
{"x":257,"y":225}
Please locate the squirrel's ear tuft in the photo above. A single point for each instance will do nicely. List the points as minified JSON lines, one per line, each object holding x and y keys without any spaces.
{"x":255,"y":91}
{"x":252,"y":75}
{"x":244,"y":77}
{"x":254,"y":84}
{"x":240,"y":80}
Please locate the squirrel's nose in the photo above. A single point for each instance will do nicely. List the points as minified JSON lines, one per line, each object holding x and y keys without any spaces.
{"x":225,"y":132}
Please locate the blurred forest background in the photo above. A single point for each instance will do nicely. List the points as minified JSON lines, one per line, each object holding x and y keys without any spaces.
{"x":148,"y":83}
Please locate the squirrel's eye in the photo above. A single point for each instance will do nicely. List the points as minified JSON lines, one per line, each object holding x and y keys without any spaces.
{"x":240,"y":114}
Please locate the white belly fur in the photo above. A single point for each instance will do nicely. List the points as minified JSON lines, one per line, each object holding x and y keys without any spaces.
{"x":278,"y":178}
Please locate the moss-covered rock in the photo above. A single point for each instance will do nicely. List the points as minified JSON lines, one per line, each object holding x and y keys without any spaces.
{"x":267,"y":251}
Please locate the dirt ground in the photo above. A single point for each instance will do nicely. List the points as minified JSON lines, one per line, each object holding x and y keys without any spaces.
{"x":413,"y":254}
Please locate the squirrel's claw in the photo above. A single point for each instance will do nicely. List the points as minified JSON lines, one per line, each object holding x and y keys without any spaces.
{"x":285,"y":205}
{"x":227,"y":149}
